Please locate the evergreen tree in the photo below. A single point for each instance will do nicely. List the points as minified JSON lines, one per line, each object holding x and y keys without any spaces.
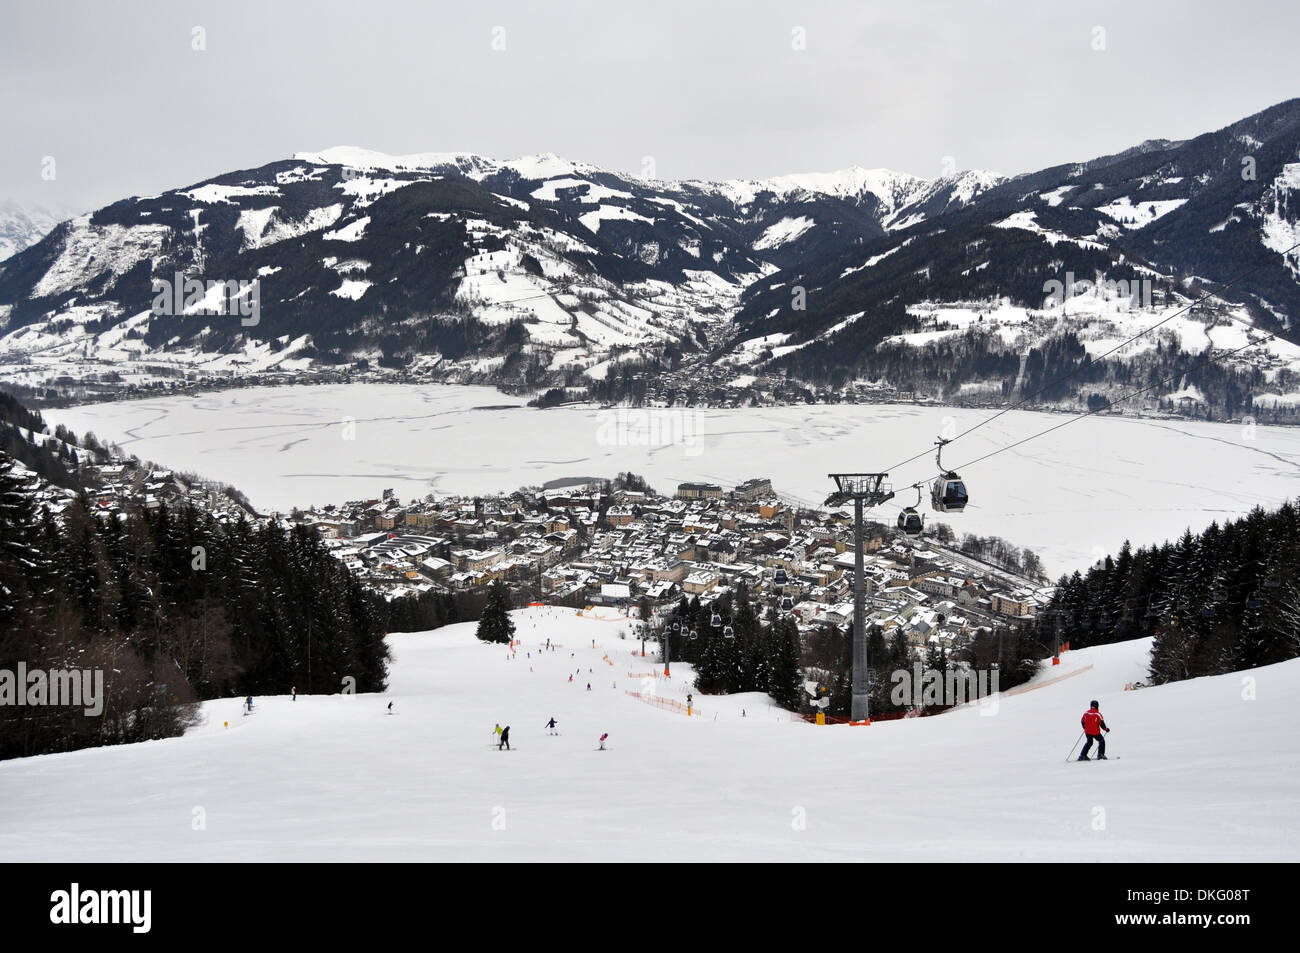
{"x":784,"y":679}
{"x":495,"y":625}
{"x":1171,"y":652}
{"x":22,"y":564}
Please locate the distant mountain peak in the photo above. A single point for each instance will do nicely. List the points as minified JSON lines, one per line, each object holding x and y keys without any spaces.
{"x":24,"y":226}
{"x":544,"y":165}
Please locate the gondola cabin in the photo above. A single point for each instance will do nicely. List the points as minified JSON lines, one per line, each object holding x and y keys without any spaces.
{"x":948,"y":495}
{"x":910,"y":522}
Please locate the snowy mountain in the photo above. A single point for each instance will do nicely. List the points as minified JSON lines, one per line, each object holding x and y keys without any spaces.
{"x":1072,"y":259}
{"x":22,"y":227}
{"x":501,"y":270}
{"x":540,"y":271}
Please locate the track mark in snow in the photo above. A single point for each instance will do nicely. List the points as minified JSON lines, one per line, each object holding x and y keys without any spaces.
{"x":1239,"y":446}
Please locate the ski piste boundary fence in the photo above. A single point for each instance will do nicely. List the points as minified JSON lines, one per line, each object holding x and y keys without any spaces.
{"x":668,"y":704}
{"x":811,"y":718}
{"x":594,"y":614}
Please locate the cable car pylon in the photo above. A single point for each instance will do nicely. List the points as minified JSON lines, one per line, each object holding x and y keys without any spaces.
{"x":869,"y":489}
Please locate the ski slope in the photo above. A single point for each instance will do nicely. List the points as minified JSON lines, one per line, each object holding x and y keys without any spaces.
{"x":1202,"y":773}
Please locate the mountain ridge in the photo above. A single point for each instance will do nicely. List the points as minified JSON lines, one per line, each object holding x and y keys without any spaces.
{"x":541,"y":271}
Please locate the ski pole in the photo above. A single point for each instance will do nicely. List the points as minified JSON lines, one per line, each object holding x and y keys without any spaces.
{"x":1073,"y":746}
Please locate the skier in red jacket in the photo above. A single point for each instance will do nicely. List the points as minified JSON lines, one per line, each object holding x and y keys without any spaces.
{"x":1093,"y":726}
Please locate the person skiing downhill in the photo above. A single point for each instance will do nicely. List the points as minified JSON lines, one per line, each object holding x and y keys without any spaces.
{"x":505,"y":739}
{"x":551,"y":725}
{"x":1093,"y":726}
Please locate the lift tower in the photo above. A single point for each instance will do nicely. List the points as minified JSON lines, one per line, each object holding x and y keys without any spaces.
{"x":869,"y":489}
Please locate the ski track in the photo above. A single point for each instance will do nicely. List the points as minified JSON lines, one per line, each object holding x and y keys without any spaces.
{"x":332,"y":777}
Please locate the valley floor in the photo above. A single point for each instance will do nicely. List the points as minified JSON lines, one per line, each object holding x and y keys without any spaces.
{"x":1070,"y":496}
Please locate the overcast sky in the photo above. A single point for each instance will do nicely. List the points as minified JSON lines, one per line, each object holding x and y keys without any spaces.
{"x":116,"y":93}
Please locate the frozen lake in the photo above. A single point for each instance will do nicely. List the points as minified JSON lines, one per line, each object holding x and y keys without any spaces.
{"x":1069,"y":496}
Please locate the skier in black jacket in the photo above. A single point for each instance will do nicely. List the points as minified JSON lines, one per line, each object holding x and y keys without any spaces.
{"x":505,"y":738}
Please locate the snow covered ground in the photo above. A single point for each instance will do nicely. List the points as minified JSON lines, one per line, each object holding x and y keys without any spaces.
{"x":1205,"y":770}
{"x":1070,"y":496}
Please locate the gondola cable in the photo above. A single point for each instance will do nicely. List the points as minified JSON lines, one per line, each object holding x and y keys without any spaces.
{"x":1092,"y":361}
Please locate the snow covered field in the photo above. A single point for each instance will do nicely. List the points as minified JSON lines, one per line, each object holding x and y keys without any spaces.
{"x":1070,"y":496}
{"x":1201,"y":773}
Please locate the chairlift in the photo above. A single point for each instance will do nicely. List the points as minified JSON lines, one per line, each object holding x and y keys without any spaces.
{"x":787,"y":603}
{"x":780,"y":578}
{"x":948,"y":493}
{"x":728,"y":633}
{"x":693,"y":635}
{"x":716,"y":621}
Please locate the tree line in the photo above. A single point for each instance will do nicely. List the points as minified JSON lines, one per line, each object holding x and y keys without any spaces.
{"x":174,"y":607}
{"x":1221,"y":601}
{"x":742,"y":653}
